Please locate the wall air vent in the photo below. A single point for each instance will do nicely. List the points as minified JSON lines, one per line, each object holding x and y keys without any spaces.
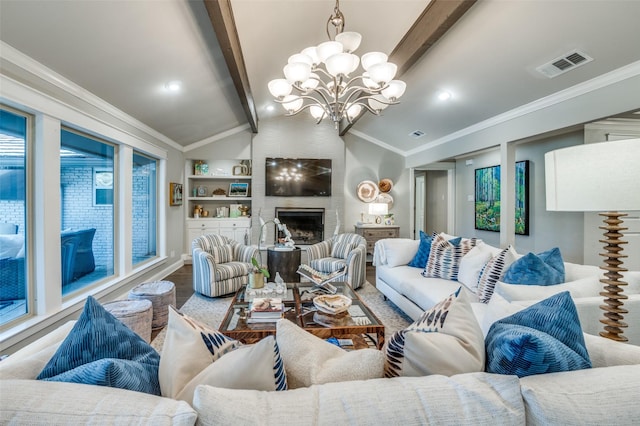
{"x":416,"y":134}
{"x":564,"y":63}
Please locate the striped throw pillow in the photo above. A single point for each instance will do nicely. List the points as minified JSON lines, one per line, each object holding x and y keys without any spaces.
{"x":341,"y":250}
{"x":222,"y":254}
{"x":445,"y":256}
{"x":493,"y":271}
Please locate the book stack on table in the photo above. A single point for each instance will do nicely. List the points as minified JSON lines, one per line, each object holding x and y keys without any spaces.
{"x":265,"y":309}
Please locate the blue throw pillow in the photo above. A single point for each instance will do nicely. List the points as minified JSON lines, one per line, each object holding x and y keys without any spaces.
{"x":543,"y":338}
{"x":546,"y":268}
{"x":101,"y":350}
{"x":421,"y":257}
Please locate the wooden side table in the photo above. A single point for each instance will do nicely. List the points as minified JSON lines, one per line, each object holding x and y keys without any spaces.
{"x":285,"y":262}
{"x":373,"y":233}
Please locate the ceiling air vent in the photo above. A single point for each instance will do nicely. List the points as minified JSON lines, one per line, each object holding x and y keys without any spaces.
{"x":564,"y":63}
{"x":416,"y":134}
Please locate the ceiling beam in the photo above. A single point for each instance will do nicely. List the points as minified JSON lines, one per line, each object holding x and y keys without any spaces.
{"x":224,"y":25}
{"x":436,"y":19}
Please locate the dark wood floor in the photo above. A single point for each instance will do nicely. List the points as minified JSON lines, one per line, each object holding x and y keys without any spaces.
{"x":183,"y":280}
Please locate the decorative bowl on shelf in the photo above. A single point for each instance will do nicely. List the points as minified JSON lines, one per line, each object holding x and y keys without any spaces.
{"x":332,"y":303}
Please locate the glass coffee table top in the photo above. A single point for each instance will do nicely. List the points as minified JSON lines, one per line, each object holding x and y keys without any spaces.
{"x":299,"y":308}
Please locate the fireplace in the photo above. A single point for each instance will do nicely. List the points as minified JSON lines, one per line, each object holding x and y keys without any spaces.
{"x":305,"y":224}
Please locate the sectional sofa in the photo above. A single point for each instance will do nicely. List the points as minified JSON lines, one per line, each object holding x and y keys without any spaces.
{"x":98,"y":371}
{"x":605,"y":394}
{"x":414,"y":293}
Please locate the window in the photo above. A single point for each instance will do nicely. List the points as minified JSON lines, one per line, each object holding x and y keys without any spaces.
{"x":14,"y":256}
{"x":87,"y":210}
{"x":102,"y":187}
{"x":145,"y":227}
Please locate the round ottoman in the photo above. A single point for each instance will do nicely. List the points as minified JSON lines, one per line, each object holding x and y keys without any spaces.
{"x":161,"y":294}
{"x":135,"y":314}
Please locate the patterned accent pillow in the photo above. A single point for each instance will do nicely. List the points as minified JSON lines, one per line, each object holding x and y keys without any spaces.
{"x":421,"y":257}
{"x":222,"y":254}
{"x":194,"y":354}
{"x":493,"y":271}
{"x":341,"y":250}
{"x":189,"y":347}
{"x":101,"y":350}
{"x":256,"y":367}
{"x":446,"y":339}
{"x":546,"y":268}
{"x":543,"y":338}
{"x":445,"y":256}
{"x":472,"y":264}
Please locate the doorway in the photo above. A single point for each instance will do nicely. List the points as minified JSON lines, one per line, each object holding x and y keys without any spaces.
{"x":432,"y":201}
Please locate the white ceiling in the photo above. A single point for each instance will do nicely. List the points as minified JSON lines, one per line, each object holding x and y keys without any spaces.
{"x":124,"y":51}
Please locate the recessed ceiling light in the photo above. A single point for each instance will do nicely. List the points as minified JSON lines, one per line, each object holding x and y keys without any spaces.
{"x":173,"y":86}
{"x":270,"y":108}
{"x":444,"y":95}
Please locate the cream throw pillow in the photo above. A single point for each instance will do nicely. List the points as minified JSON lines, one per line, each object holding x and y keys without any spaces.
{"x":309,"y":360}
{"x":445,"y":340}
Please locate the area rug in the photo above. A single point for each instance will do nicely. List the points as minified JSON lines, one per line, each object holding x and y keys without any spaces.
{"x":211,"y":311}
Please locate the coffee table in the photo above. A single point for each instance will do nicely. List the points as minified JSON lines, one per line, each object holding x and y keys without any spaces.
{"x":299,"y":309}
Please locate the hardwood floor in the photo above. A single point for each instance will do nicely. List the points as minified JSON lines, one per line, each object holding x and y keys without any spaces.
{"x":183,"y":280}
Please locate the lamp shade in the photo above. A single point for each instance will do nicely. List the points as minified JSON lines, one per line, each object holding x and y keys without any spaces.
{"x":594,"y":177}
{"x":378,"y":208}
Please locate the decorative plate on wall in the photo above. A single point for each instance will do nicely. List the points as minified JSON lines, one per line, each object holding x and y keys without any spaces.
{"x":385,"y":198}
{"x":367,"y":191}
{"x":385,"y":185}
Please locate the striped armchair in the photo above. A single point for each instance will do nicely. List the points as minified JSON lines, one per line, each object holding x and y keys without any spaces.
{"x":343,"y":249}
{"x":220,"y":265}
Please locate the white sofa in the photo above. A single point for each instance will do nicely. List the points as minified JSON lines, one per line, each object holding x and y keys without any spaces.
{"x":410,"y":291}
{"x":605,"y":394}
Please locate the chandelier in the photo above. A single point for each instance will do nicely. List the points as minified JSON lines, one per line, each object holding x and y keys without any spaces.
{"x":321,"y":78}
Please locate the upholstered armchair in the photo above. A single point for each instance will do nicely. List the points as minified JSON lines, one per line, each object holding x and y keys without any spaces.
{"x":220,"y":265}
{"x":343,"y":249}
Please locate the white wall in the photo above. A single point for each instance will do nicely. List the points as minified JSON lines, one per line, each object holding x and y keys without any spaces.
{"x":366,"y":161}
{"x":546,"y":229}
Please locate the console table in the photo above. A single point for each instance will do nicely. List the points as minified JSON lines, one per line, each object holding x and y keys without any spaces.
{"x":373,"y":233}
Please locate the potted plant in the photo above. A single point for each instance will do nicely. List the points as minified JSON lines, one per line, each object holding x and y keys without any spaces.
{"x":257,"y":274}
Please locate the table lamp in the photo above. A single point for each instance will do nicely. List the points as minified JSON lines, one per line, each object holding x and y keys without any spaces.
{"x":601,"y":177}
{"x":378,"y":210}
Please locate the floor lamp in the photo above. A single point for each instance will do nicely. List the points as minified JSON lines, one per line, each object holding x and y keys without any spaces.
{"x":600,"y":177}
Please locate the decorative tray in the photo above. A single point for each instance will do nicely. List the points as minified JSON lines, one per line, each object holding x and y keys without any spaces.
{"x":332,"y":303}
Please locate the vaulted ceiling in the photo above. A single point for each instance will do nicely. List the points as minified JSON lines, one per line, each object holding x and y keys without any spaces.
{"x":484,"y":53}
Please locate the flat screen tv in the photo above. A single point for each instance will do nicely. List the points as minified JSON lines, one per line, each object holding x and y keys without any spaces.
{"x":297,"y":177}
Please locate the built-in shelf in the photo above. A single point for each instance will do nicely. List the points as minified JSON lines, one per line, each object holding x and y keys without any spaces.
{"x":226,"y":199}
{"x":221,"y":177}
